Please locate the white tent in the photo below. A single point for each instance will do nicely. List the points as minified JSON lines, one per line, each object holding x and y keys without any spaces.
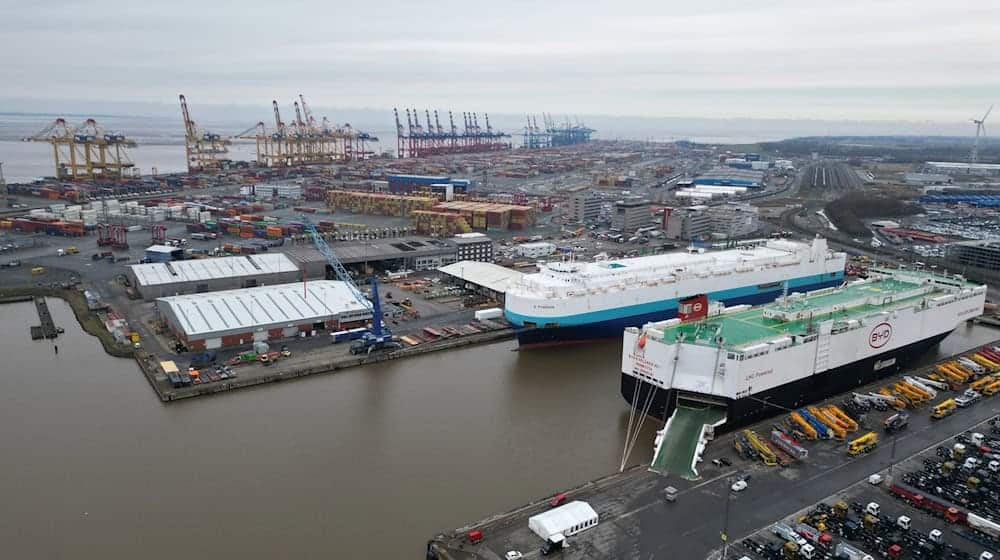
{"x":568,"y":519}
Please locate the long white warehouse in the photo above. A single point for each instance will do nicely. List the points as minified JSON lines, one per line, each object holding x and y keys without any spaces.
{"x":162,"y":279}
{"x":240,"y":317}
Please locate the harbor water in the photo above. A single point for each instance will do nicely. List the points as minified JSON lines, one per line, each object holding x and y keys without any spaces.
{"x":364,"y":463}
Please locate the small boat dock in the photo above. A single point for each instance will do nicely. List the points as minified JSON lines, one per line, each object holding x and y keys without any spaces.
{"x":47,"y":329}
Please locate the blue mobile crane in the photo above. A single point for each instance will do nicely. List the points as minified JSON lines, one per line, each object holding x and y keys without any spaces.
{"x":379,"y":337}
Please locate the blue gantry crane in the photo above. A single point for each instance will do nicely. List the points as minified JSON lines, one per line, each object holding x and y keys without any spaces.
{"x":379,"y":337}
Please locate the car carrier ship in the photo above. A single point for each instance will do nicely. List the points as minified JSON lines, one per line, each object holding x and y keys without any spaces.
{"x":726,"y":367}
{"x":577,"y":301}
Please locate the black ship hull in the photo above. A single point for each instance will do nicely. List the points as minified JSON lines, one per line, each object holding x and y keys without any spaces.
{"x":789,"y":396}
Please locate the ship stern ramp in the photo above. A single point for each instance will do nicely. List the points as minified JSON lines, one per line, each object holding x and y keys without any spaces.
{"x":679,"y":445}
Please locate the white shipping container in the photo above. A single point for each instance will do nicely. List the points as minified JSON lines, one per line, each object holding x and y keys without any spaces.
{"x":491,"y":313}
{"x":204,"y":217}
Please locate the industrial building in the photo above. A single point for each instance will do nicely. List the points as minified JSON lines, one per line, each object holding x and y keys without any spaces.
{"x":978,"y":254}
{"x":267,"y":190}
{"x":473,"y":246}
{"x":923,"y":179}
{"x":728,"y":177}
{"x":491,"y":280}
{"x":163,"y":253}
{"x":397,"y":253}
{"x":700,"y":221}
{"x":585,"y":208}
{"x":630,"y":214}
{"x":160,"y":279}
{"x":686,"y":223}
{"x":401,"y":184}
{"x":962,"y":168}
{"x":535,"y":250}
{"x":733,"y":220}
{"x":241,"y":317}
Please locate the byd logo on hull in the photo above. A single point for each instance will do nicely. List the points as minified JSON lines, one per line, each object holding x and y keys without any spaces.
{"x":880,"y":335}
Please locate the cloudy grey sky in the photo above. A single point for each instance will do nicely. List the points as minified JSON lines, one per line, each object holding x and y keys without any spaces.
{"x":915,"y":60}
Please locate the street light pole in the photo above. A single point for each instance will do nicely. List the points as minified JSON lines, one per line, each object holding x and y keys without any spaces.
{"x":725,"y":525}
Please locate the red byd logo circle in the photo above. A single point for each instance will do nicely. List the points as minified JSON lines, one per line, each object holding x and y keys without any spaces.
{"x":696,"y":307}
{"x":880,"y":335}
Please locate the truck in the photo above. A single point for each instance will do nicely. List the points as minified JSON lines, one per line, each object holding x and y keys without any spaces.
{"x":896,"y":423}
{"x":944,"y":408}
{"x":848,"y":552}
{"x":72,"y":250}
{"x":786,"y":533}
{"x":863,"y":444}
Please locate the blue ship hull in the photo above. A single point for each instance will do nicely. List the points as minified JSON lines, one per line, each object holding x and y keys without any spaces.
{"x":529,"y":337}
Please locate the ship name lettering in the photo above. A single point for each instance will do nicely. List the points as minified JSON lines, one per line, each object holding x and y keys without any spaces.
{"x":761,"y":373}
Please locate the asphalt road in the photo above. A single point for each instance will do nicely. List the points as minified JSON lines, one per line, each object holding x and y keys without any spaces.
{"x":636,"y":522}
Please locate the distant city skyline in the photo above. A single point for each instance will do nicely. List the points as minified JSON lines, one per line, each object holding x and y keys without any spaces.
{"x":918,"y":61}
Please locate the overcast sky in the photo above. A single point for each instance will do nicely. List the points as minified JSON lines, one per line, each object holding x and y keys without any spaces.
{"x":913,"y":60}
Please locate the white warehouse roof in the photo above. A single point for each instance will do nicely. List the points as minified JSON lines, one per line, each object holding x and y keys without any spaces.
{"x":562,"y":519}
{"x":487,"y":275}
{"x":265,"y":307}
{"x":152,"y":274}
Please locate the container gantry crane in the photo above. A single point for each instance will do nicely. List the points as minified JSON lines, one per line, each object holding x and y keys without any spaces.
{"x":87,"y":151}
{"x":202,"y":148}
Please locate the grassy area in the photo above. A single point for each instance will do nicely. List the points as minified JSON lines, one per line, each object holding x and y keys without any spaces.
{"x":87,"y":319}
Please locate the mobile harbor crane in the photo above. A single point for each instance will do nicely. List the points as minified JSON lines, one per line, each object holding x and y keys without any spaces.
{"x":379,"y":337}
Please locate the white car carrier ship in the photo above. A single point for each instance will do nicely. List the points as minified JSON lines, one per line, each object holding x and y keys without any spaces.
{"x":579,"y":301}
{"x":727,"y":367}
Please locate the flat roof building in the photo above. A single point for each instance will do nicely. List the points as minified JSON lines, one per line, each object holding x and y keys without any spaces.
{"x":963,"y":168}
{"x":978,"y":254}
{"x":160,"y":279}
{"x":488,"y":278}
{"x":163,"y":253}
{"x":585,"y":208}
{"x":473,"y":246}
{"x":394,"y":253}
{"x":729,"y":177}
{"x":240,"y":317}
{"x":630,"y":214}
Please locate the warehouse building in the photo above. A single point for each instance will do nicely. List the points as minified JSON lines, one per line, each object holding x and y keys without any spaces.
{"x":160,"y":279}
{"x":163,"y":253}
{"x":963,"y":168}
{"x":240,"y":317}
{"x":395,"y":253}
{"x":410,"y":183}
{"x":728,"y":177}
{"x":488,"y":279}
{"x":535,"y":250}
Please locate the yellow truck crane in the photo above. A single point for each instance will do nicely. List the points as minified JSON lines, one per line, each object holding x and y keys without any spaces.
{"x":767,"y":454}
{"x":863,"y":444}
{"x":943,"y":408}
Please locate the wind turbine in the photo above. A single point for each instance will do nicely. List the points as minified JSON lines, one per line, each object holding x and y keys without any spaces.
{"x":980,"y":129}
